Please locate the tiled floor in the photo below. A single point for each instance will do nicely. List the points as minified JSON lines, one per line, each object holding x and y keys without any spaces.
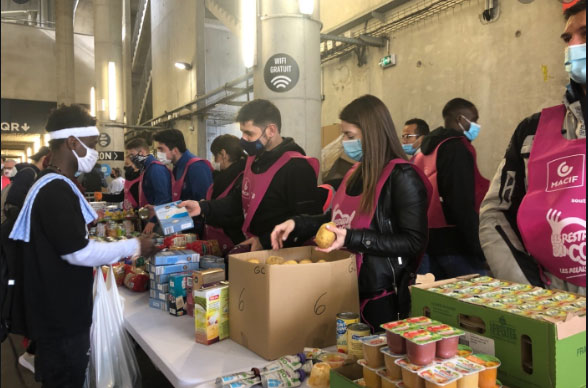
{"x":15,"y":376}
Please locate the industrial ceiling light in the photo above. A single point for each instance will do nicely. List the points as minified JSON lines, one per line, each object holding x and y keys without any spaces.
{"x":183,"y":65}
{"x":306,"y":6}
{"x":248,"y":32}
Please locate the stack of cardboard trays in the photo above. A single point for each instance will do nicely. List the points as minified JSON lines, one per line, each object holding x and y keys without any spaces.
{"x":176,"y":265}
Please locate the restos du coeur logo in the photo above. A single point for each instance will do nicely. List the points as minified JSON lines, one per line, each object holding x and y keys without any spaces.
{"x":566,"y":173}
{"x":342,"y":220}
{"x":568,"y":236}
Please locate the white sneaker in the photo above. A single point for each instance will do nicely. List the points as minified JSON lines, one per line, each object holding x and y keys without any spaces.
{"x":28,"y":361}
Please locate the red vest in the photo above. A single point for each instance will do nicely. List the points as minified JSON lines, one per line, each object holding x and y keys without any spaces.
{"x":177,"y":185}
{"x":428,"y":163}
{"x":5,"y":181}
{"x":129,"y":201}
{"x":255,"y":185}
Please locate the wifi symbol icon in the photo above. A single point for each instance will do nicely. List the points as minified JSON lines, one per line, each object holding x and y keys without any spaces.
{"x":281,"y":81}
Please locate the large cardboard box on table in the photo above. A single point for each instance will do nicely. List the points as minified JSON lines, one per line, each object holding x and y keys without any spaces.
{"x":280,"y":309}
{"x":534,"y":353}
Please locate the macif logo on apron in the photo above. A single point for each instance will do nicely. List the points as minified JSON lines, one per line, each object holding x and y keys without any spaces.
{"x":565,"y":173}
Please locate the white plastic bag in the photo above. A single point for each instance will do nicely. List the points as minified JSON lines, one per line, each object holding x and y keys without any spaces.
{"x":112,"y":359}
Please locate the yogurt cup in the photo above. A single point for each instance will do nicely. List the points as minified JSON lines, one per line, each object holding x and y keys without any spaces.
{"x":421,"y":321}
{"x":370,"y":375}
{"x":386,"y":381}
{"x":410,"y":376}
{"x":421,"y":346}
{"x":468,"y":369}
{"x":482,"y":280}
{"x":335,"y":360}
{"x":520,"y":287}
{"x":542,"y":292}
{"x":581,"y":302}
{"x":464,"y":350}
{"x":487,"y":376}
{"x":396,"y":343}
{"x":371,"y":350}
{"x":394,"y":371}
{"x":439,"y":376}
{"x":564,"y":297}
{"x":447,"y":346}
{"x":497,"y":306}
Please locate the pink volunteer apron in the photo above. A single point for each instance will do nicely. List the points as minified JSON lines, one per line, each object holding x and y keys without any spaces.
{"x":177,"y":185}
{"x":346,"y":213}
{"x":129,"y":201}
{"x":218,"y":234}
{"x":142,"y":198}
{"x":255,"y":185}
{"x":428,"y":163}
{"x":552,"y":216}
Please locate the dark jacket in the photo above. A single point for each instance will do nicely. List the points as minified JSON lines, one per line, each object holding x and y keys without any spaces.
{"x":232,"y":225}
{"x":292,"y":191}
{"x":198,"y":179}
{"x":94,"y":180}
{"x":21,"y":183}
{"x":398,"y":230}
{"x":455,"y":179}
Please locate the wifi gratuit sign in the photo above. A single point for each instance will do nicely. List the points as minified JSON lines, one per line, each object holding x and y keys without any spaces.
{"x":281,"y":73}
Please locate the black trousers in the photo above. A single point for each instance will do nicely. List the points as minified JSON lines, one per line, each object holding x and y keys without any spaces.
{"x":62,"y":362}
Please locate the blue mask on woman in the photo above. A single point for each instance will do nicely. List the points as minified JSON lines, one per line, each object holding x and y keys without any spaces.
{"x":576,"y":62}
{"x":408,"y":149}
{"x":353,"y":149}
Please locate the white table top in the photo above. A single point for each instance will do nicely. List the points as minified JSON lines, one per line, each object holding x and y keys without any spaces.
{"x":169,"y":343}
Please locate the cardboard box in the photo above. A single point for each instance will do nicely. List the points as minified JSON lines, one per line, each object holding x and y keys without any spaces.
{"x":207,"y":277}
{"x":159,"y":295}
{"x":330,"y":133}
{"x":158,"y":304}
{"x":211,"y":314}
{"x":163,"y":287}
{"x":175,"y":305}
{"x":173,"y":219}
{"x":279,"y":309}
{"x":534,"y":353}
{"x":164,"y":279}
{"x":174,"y":268}
{"x":178,"y":283}
{"x":175,"y":257}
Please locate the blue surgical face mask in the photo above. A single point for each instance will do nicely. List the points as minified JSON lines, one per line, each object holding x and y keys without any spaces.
{"x":575,"y":62}
{"x":408,"y":148}
{"x":253,"y":148}
{"x":353,"y":149}
{"x":472,"y":133}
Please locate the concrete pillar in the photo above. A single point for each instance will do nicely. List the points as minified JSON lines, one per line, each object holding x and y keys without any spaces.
{"x":199,"y":62}
{"x":127,"y":74}
{"x":108,"y":46}
{"x":64,"y":52}
{"x":291,"y":81}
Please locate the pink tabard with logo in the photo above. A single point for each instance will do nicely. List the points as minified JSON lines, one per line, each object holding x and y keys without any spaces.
{"x":552,"y":216}
{"x":255,"y":185}
{"x":218,"y":234}
{"x":129,"y":201}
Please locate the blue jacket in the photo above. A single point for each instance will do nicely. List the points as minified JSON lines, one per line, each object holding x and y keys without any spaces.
{"x":198,"y":179}
{"x":156,"y":183}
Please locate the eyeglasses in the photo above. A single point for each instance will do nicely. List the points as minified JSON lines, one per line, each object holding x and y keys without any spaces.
{"x":406,"y":137}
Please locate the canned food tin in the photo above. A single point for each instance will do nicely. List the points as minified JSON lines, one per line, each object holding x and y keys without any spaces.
{"x":344,"y":320}
{"x":355,"y":332}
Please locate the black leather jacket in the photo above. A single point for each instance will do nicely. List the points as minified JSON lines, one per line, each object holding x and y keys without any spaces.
{"x":397,"y":237}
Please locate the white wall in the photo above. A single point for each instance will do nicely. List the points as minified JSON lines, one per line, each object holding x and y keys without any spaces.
{"x":28,"y":64}
{"x":506,"y":76}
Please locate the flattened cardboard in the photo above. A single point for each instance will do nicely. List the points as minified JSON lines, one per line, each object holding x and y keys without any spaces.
{"x":558,"y":355}
{"x":280,"y":309}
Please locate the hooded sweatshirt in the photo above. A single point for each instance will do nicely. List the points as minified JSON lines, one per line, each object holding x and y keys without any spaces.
{"x":455,"y":178}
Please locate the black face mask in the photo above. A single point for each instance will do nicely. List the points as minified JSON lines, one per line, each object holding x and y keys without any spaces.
{"x":113,"y":176}
{"x":138,"y":160}
{"x":131,"y":174}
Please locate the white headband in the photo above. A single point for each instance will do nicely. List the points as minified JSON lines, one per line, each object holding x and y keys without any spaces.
{"x":76,"y":132}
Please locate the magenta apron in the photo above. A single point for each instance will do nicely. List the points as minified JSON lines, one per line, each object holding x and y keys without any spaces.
{"x":428,"y":163}
{"x":129,"y":201}
{"x":177,"y":185}
{"x":142,"y":198}
{"x":552,"y":215}
{"x":218,"y":234}
{"x":346,"y":213}
{"x":255,"y":185}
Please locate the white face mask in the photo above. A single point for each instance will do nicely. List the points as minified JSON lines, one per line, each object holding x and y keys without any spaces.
{"x":87,"y":163}
{"x":162,"y":157}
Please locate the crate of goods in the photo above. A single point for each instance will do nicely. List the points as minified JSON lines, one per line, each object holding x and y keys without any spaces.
{"x":276,"y":309}
{"x":539,"y":335}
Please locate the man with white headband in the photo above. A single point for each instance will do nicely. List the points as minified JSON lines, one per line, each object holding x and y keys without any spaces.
{"x":58,"y":256}
{"x":533,"y":219}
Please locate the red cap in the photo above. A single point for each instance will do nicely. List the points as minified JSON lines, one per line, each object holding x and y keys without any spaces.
{"x":568,"y":4}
